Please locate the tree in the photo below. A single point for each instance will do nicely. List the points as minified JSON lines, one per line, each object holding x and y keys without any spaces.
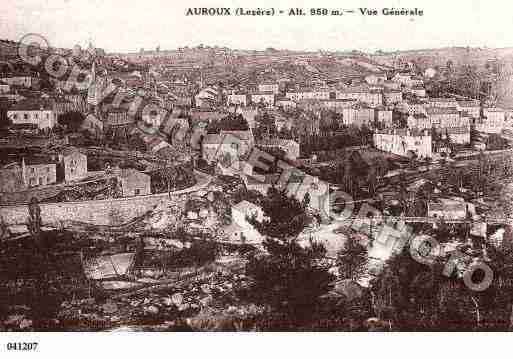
{"x":290,"y":279}
{"x":306,"y":200}
{"x":34,"y":219}
{"x":5,"y":123}
{"x":352,"y":260}
{"x":286,"y":216}
{"x":72,"y":120}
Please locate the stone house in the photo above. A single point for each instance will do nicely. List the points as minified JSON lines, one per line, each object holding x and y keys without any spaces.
{"x":134,"y":183}
{"x":73,"y":165}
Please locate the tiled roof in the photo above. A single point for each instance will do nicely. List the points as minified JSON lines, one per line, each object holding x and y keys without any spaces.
{"x":493,"y":109}
{"x":458,"y":130}
{"x":468,"y":103}
{"x":441,"y":110}
{"x":129,"y":172}
{"x":31,"y":105}
{"x":278,"y":142}
{"x":442,"y":99}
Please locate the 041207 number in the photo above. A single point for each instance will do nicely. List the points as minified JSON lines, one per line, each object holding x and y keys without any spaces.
{"x":22,"y":346}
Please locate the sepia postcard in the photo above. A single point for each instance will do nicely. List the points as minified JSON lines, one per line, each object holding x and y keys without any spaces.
{"x":237,"y":166}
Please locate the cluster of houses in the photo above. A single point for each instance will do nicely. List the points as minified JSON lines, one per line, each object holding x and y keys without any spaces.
{"x":377,"y":102}
{"x":69,"y":166}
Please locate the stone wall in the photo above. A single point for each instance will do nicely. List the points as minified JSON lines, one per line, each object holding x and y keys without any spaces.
{"x":100,"y":212}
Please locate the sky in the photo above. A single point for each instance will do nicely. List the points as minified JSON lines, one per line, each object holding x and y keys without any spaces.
{"x":128,"y":25}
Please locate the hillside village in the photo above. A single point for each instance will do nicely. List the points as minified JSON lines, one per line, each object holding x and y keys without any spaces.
{"x":197,"y":188}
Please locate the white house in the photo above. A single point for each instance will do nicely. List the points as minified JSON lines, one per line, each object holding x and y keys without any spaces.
{"x":493,"y":120}
{"x":269,"y":87}
{"x":402,"y":141}
{"x":33,"y":112}
{"x":237,"y":99}
{"x":266,"y":98}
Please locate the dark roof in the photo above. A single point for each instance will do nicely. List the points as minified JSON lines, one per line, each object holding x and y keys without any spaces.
{"x":441,"y":111}
{"x":30,"y":105}
{"x":39,"y":160}
{"x":130,"y":172}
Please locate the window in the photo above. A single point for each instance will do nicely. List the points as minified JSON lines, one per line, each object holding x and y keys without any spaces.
{"x":137,"y":191}
{"x":32,"y":170}
{"x":36,"y":115}
{"x":25,"y":116}
{"x":40,"y":181}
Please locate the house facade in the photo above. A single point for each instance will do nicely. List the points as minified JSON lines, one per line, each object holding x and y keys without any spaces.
{"x":269,"y":87}
{"x":74,"y":165}
{"x":402,"y":141}
{"x":367,"y":96}
{"x":237,"y":99}
{"x":134,"y":183}
{"x":38,"y":173}
{"x":392,"y":97}
{"x":266,"y":98}
{"x":33,"y":112}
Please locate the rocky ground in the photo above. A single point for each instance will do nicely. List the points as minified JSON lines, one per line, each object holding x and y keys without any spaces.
{"x":181,"y":300}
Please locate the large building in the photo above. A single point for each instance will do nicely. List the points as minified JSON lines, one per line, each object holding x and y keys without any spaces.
{"x":237,"y":99}
{"x":404,"y":142}
{"x":36,"y":112}
{"x":225,"y":147}
{"x":470,"y":107}
{"x":392,"y":97}
{"x":310,"y":94}
{"x":358,"y":116}
{"x":269,"y":87}
{"x":265,"y":98}
{"x":493,"y":120}
{"x":419,"y":121}
{"x":442,"y":102}
{"x":118,"y":117}
{"x":363,"y":94}
{"x":384,"y":117}
{"x":444,"y":117}
{"x":459,"y":135}
{"x":326,"y":104}
{"x":207,"y":97}
{"x":38,"y":172}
